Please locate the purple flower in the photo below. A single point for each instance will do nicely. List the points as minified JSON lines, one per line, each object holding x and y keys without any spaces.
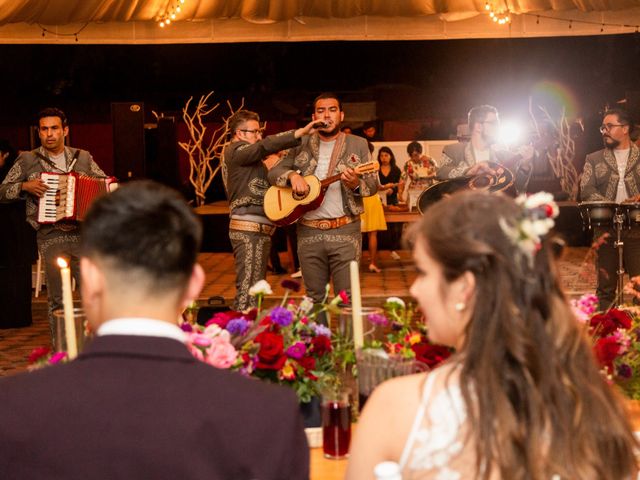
{"x":290,"y":285}
{"x":378,"y":319}
{"x":297,"y":350}
{"x":281,"y":316}
{"x":321,"y":330}
{"x":238,"y":326}
{"x":625,"y":371}
{"x":186,"y":327}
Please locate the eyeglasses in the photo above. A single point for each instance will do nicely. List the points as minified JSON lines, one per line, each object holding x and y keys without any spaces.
{"x":608,"y":126}
{"x":255,"y":132}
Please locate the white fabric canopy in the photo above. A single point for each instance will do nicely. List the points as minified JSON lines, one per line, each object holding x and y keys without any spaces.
{"x":202,"y":21}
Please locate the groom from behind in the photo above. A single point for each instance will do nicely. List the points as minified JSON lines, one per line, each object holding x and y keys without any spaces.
{"x":135,"y":403}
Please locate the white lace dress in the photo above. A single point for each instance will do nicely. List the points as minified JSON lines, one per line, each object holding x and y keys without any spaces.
{"x":436,"y":447}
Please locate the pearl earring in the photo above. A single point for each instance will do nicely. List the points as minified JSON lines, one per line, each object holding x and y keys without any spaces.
{"x":460,"y":306}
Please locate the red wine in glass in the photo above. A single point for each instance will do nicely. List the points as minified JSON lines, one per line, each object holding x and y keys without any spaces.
{"x":336,"y":429}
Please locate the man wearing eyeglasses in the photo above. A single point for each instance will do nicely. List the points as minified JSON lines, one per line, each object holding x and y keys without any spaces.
{"x":245,"y":180}
{"x":613,"y":175}
{"x":475,"y":156}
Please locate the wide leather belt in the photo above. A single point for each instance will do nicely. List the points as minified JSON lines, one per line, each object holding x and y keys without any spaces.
{"x":246,"y":226}
{"x":328,"y":223}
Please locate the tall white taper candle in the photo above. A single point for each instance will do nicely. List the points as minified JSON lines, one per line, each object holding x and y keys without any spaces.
{"x":356,"y":304}
{"x":67,"y":305}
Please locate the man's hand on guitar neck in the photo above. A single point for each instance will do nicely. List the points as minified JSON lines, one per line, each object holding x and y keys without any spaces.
{"x":35,"y":187}
{"x":298,"y":184}
{"x":350,"y":179}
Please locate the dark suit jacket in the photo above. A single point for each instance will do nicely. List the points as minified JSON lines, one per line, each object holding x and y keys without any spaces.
{"x":143,"y":407}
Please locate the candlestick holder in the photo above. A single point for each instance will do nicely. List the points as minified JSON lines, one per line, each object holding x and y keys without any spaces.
{"x":60,"y":339}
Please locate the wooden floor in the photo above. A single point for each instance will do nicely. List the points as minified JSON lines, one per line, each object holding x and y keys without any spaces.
{"x":394,"y":280}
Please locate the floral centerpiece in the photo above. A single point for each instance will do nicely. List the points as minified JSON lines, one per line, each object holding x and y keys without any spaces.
{"x":615,"y":335}
{"x":403,"y":338}
{"x":284,"y":344}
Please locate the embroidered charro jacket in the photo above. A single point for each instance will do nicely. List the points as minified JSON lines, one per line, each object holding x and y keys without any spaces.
{"x":600,"y":176}
{"x":304,"y":160}
{"x":245,"y":176}
{"x":458,"y":157}
{"x":29,"y":166}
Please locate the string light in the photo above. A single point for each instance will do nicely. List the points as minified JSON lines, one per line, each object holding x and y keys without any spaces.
{"x":501,"y":16}
{"x":170,"y":13}
{"x":58,"y":34}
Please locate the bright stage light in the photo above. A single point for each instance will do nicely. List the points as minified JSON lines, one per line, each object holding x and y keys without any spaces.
{"x":510,"y":133}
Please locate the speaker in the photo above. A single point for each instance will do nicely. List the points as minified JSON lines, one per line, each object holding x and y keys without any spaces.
{"x":128,"y":140}
{"x":161,"y":142}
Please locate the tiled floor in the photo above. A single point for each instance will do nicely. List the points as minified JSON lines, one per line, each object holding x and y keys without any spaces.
{"x":394,"y":280}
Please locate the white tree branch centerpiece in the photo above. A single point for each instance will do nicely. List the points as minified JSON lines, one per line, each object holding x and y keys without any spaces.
{"x":205,"y":146}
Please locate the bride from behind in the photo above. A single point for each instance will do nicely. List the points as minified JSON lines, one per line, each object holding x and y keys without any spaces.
{"x":522,"y":398}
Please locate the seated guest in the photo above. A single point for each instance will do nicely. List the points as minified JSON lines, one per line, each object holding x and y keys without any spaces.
{"x":419,"y":172}
{"x":136,"y":403}
{"x":522,"y":398}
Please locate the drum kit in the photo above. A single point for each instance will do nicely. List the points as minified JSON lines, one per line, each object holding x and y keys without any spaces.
{"x":612,"y":215}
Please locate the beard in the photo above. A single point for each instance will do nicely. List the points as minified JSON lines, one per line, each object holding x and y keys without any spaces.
{"x":610,"y":142}
{"x":331,"y":133}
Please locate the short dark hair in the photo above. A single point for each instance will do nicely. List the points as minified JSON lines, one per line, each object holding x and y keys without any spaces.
{"x":624,"y":117}
{"x":147,"y":229}
{"x":479,"y":113}
{"x":414,"y":147}
{"x":326,"y":95}
{"x":52,"y":112}
{"x":241,"y":116}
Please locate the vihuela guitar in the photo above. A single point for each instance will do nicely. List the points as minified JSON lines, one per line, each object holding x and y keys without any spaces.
{"x":283,"y":207}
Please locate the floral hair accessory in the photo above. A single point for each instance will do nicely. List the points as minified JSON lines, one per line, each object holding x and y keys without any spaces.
{"x":538,"y":212}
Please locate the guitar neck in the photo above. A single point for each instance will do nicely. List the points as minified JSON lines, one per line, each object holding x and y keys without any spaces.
{"x":329,"y":180}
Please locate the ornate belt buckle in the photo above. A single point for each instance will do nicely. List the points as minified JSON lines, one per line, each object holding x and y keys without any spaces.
{"x":324,"y":224}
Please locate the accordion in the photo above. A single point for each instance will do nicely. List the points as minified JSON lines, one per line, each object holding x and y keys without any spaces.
{"x":69,"y":196}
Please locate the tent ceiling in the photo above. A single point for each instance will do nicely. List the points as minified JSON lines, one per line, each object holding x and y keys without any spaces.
{"x":135,"y":21}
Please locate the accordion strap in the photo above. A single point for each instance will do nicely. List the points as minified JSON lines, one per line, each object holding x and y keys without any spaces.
{"x":74,"y":158}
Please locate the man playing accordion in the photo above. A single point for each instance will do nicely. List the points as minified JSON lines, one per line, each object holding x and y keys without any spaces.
{"x":23,"y":182}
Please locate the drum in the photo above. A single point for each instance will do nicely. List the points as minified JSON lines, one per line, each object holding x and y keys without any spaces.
{"x":631,"y":213}
{"x":597,"y":214}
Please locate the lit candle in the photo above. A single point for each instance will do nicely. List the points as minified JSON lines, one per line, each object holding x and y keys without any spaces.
{"x":67,"y":305}
{"x":356,"y":305}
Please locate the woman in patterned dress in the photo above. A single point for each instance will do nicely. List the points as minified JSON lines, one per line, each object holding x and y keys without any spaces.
{"x":523,"y":397}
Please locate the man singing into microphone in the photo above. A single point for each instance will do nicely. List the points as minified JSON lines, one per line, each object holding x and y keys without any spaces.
{"x":328,"y":237}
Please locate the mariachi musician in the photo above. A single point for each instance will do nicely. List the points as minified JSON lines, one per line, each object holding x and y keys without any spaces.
{"x":476,"y":156}
{"x":23,"y":183}
{"x":601,"y":182}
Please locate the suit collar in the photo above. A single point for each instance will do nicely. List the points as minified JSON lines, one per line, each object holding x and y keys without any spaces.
{"x":136,"y":346}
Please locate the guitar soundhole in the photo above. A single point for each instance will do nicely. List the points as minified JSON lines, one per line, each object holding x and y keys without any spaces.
{"x":299,"y":196}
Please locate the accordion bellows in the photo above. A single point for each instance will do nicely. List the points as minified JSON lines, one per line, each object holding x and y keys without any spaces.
{"x":69,"y":196}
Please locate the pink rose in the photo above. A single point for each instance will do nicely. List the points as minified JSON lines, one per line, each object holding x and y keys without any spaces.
{"x":221,"y":354}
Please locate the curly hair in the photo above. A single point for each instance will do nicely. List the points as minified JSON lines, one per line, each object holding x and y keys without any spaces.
{"x":537,"y":403}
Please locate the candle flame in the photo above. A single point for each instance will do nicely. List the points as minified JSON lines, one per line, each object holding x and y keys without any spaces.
{"x":62,"y":263}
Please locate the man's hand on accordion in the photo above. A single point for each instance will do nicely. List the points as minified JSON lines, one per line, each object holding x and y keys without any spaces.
{"x":35,"y":187}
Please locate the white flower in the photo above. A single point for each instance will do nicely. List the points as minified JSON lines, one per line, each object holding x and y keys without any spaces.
{"x":306,"y":304}
{"x":262,"y":287}
{"x":395,"y":302}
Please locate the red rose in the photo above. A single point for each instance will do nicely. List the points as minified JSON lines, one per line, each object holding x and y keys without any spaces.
{"x":222,"y":318}
{"x":606,"y":350}
{"x":321,"y":345}
{"x":271,"y":354}
{"x":308,"y":363}
{"x":37,"y":353}
{"x":432,"y":355}
{"x":606,"y":323}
